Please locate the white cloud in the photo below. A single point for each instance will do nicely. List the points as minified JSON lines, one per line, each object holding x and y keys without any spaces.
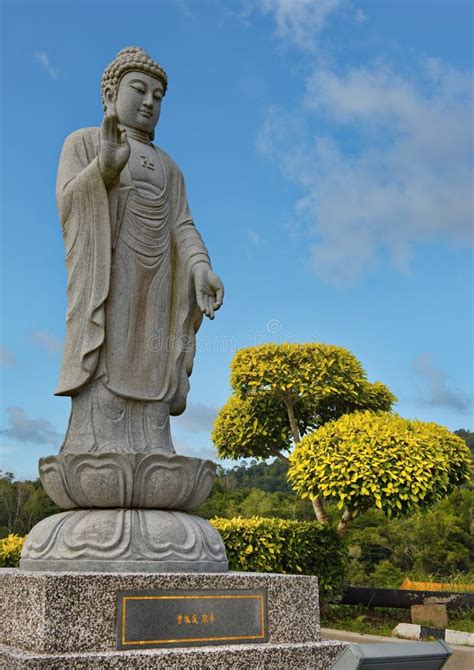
{"x":197,"y":418}
{"x":43,"y":59}
{"x":25,"y":429}
{"x":49,"y":342}
{"x":300,"y":21}
{"x":436,"y":388}
{"x":183,"y":448}
{"x":7,"y":359}
{"x":391,"y":168}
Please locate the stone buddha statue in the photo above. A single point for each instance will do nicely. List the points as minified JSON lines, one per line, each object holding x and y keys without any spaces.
{"x":139,"y":283}
{"x":139,"y":275}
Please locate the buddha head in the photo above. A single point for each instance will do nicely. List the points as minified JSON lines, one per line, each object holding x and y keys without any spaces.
{"x":133,"y":86}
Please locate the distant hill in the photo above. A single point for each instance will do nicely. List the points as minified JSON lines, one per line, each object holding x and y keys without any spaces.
{"x":468,"y":437}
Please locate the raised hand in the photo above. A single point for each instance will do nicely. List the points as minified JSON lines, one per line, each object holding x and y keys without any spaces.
{"x":114,"y":149}
{"x":209,"y":289}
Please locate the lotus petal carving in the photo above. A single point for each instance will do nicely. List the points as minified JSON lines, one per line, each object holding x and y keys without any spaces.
{"x":124,"y":540}
{"x":153,"y":481}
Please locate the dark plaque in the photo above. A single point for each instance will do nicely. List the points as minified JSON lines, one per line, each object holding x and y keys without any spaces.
{"x":155,"y":619}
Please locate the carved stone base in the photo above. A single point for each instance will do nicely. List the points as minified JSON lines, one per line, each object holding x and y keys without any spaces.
{"x":59,"y":621}
{"x":124,"y":540}
{"x":141,"y":480}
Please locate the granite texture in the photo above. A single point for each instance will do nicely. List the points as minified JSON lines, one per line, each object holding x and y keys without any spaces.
{"x":76,"y":612}
{"x":310,"y":655}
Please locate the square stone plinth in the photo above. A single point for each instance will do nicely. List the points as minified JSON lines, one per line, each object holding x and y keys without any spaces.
{"x":69,"y":620}
{"x":430,"y":615}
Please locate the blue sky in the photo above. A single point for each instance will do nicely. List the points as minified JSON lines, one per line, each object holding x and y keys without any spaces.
{"x":327,"y":151}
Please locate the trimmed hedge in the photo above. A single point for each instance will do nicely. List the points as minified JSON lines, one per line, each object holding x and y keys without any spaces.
{"x":10,"y":550}
{"x":285,"y":546}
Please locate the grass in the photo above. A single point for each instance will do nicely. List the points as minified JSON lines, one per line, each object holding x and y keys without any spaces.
{"x":462,"y":619}
{"x":382,"y":620}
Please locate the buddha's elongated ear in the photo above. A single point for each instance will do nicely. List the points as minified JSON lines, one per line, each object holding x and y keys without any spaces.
{"x":109,"y":99}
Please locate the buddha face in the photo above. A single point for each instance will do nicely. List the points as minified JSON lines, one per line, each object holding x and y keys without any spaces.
{"x":138,"y":101}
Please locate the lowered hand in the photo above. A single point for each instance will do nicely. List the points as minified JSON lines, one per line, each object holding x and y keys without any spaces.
{"x":209,"y":289}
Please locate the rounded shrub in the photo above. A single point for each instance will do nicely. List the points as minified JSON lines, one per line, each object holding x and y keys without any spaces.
{"x":377,"y":459}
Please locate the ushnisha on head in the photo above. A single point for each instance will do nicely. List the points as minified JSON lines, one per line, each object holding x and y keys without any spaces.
{"x":133,"y":86}
{"x":130,"y":59}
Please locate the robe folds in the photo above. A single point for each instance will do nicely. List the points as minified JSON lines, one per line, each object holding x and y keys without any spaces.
{"x":133,"y":329}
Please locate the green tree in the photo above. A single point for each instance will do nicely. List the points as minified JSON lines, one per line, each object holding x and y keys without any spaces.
{"x":468,"y":437}
{"x":262,"y":488}
{"x":280,"y":392}
{"x":347,"y":447}
{"x":381,"y":460}
{"x":430,"y":545}
{"x":271,"y":477}
{"x":22,"y":504}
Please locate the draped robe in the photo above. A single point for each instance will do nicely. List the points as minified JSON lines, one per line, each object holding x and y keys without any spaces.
{"x":137,"y":330}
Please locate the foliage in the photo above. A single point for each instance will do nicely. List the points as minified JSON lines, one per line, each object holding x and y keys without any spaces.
{"x":280,"y":391}
{"x":431,"y":545}
{"x":22,"y":504}
{"x":248,"y":502}
{"x":267,"y":476}
{"x":382,"y":620}
{"x":251,"y":427}
{"x":468,"y":437}
{"x":291,"y":547}
{"x":368,"y":459}
{"x":365,"y":620}
{"x":329,"y":378}
{"x":386,"y":576}
{"x":10,"y":550}
{"x":254,"y":488}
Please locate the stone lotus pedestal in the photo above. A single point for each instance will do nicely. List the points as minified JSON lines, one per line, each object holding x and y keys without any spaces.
{"x":125,"y":513}
{"x":126,"y":532}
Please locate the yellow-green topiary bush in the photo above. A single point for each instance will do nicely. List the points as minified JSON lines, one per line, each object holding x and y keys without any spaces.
{"x":281,"y":391}
{"x":370,"y":459}
{"x":284,"y":546}
{"x":10,"y":550}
